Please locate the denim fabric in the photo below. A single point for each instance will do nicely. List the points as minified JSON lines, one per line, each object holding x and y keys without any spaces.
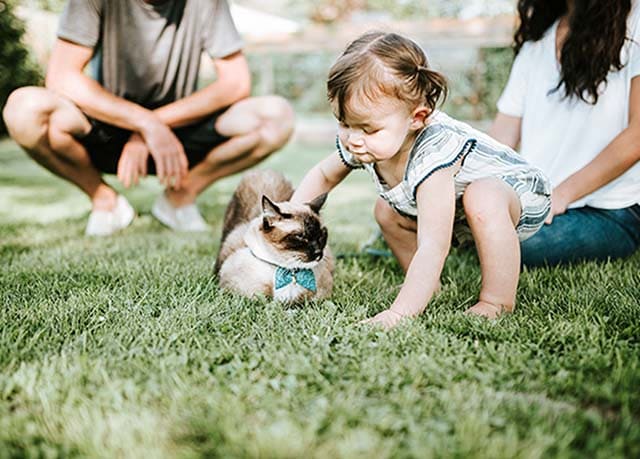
{"x":585,"y":233}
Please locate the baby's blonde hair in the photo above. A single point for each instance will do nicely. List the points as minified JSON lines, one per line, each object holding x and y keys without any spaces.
{"x":384,"y":64}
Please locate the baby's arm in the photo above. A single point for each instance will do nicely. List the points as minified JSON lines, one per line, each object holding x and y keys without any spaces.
{"x":322,"y":178}
{"x":436,"y":208}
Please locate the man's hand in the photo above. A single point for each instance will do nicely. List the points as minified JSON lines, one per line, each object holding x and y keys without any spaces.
{"x":167,"y":152}
{"x":133,"y":161}
{"x":559,"y":204}
{"x":387,"y":319}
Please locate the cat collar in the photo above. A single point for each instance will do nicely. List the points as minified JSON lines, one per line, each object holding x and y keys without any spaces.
{"x":283,"y":276}
{"x":300,"y":276}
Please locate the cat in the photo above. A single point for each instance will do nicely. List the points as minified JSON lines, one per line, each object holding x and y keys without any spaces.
{"x":271,"y":246}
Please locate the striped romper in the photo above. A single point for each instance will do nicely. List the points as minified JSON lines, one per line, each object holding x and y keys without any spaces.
{"x":444,"y":142}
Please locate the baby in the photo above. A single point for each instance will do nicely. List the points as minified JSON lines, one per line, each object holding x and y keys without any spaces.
{"x":384,"y":95}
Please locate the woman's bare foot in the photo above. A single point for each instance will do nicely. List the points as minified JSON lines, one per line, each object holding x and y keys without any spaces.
{"x":488,"y":310}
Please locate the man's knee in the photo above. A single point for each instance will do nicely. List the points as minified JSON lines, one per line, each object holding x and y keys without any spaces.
{"x":271,"y":118}
{"x":26,"y":115}
{"x":277,"y":123}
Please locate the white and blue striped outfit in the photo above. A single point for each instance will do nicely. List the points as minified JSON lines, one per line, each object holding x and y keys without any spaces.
{"x":444,"y":142}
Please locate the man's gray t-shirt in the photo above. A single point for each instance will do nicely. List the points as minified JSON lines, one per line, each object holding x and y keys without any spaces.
{"x":149,"y":53}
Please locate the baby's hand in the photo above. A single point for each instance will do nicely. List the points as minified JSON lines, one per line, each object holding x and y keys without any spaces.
{"x":387,"y":319}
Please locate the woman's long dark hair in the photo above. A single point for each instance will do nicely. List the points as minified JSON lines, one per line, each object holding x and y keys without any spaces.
{"x":597,"y":32}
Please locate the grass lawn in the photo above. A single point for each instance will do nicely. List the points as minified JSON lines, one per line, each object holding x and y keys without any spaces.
{"x":125,"y":346}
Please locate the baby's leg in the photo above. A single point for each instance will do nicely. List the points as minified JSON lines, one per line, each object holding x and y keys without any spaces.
{"x":399,"y":232}
{"x":493,"y":209}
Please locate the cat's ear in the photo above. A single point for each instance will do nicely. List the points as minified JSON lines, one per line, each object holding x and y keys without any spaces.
{"x":317,"y":203}
{"x":269,"y":208}
{"x":270,"y":212}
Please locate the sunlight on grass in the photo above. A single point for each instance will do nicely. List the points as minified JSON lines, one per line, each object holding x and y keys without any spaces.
{"x":125,"y":347}
{"x":21,"y":205}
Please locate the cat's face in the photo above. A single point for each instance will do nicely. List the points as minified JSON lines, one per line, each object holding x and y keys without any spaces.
{"x":295,"y":230}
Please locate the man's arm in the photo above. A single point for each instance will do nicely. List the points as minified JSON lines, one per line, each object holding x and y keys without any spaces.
{"x":65,"y":75}
{"x":233,"y":83}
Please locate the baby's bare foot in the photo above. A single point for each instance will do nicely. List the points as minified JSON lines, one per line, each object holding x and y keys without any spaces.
{"x":488,"y":310}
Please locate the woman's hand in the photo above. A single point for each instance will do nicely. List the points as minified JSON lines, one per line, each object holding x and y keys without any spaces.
{"x":559,"y":203}
{"x":618,"y":157}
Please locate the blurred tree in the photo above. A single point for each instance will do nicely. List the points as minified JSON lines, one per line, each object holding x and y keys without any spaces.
{"x":48,"y":5}
{"x":52,"y":5}
{"x":16,"y":66}
{"x":327,"y":11}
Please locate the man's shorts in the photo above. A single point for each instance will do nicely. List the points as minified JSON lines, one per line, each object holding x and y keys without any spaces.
{"x":104,"y":143}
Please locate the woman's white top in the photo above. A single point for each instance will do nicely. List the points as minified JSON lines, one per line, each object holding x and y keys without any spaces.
{"x":561,"y":135}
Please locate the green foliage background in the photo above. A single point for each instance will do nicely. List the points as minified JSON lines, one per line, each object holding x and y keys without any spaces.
{"x":126,"y":347}
{"x":299,"y":77}
{"x":17,"y":68}
{"x":48,"y":5}
{"x":396,"y":9}
{"x":473,"y":91}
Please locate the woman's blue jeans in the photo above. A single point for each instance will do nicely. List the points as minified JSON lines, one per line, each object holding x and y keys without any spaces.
{"x":585,"y":233}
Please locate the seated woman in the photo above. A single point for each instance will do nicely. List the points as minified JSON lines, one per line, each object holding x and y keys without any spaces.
{"x":573,"y":104}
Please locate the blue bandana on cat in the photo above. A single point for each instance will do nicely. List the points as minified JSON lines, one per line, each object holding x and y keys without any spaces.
{"x":300,"y":276}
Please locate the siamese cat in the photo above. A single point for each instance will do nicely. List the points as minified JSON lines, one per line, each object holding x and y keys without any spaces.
{"x":273,"y":247}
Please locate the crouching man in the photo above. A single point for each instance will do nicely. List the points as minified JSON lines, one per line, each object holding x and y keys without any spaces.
{"x":141,"y":111}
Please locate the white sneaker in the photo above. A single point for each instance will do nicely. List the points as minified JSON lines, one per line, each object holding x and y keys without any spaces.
{"x":186,"y":218}
{"x":106,"y":222}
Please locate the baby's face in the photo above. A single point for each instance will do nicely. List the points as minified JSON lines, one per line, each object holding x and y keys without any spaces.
{"x":375,"y":131}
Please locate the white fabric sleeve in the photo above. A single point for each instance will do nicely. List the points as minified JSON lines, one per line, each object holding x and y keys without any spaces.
{"x":511,"y":102}
{"x":634,"y":42}
{"x":222,"y":38}
{"x":346,"y":157}
{"x":80,"y":22}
